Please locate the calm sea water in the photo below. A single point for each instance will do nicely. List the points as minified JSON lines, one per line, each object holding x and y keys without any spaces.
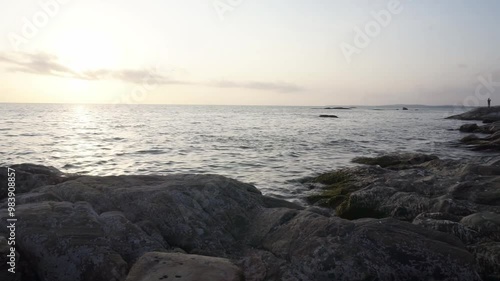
{"x":267,"y":146}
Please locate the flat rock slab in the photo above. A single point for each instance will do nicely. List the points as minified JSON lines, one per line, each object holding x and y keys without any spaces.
{"x":480,"y":113}
{"x":183,"y":267}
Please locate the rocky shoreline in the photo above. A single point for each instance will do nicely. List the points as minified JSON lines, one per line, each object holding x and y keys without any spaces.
{"x":394,"y":217}
{"x":454,"y":197}
{"x":483,"y":137}
{"x":417,"y":218}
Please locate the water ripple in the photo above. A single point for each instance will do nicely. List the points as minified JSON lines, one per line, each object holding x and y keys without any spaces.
{"x":268,"y":146}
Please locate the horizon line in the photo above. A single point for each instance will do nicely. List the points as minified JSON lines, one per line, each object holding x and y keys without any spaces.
{"x":277,"y":105}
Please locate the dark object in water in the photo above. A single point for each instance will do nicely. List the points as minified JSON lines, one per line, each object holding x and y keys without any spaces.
{"x":328,"y":116}
{"x":404,"y":108}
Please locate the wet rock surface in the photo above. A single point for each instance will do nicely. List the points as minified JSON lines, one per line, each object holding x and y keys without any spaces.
{"x":115,"y":228}
{"x":490,"y":142}
{"x":453,"y":197}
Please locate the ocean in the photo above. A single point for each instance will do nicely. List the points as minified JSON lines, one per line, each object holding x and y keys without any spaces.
{"x":268,"y":146}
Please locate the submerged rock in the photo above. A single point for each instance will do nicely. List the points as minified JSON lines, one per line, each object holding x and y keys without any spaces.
{"x":117,"y":228}
{"x":395,"y":161}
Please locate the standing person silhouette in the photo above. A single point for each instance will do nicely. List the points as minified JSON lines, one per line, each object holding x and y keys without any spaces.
{"x":489,"y":102}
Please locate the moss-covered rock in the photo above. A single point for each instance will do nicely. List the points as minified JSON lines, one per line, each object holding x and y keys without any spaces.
{"x":365,"y":204}
{"x":395,"y":161}
{"x":338,"y":186}
{"x":335,"y":177}
{"x":348,"y":210}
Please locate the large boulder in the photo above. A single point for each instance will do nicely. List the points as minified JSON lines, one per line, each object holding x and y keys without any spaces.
{"x":486,"y":224}
{"x":488,"y":257}
{"x":30,"y":176}
{"x":66,"y":241}
{"x":321,"y":248}
{"x":468,"y":128}
{"x":470,"y":139}
{"x":182,"y":267}
{"x":446,"y":223}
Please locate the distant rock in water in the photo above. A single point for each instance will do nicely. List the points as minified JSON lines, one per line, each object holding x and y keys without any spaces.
{"x":404,"y":108}
{"x":328,"y":116}
{"x":339,"y":107}
{"x":488,"y":114}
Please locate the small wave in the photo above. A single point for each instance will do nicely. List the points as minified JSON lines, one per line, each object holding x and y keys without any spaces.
{"x":151,"y":151}
{"x":114,"y":139}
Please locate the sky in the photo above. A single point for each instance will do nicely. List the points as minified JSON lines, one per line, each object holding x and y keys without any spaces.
{"x":250,"y":52}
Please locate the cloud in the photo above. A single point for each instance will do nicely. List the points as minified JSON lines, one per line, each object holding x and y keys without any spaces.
{"x":49,"y":65}
{"x":40,"y":63}
{"x":462,"y":65}
{"x":278,"y":87}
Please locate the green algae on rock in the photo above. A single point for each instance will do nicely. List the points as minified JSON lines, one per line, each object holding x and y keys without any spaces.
{"x":338,"y":185}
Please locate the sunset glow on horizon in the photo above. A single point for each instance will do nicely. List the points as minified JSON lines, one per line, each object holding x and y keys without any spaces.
{"x":248,"y":52}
